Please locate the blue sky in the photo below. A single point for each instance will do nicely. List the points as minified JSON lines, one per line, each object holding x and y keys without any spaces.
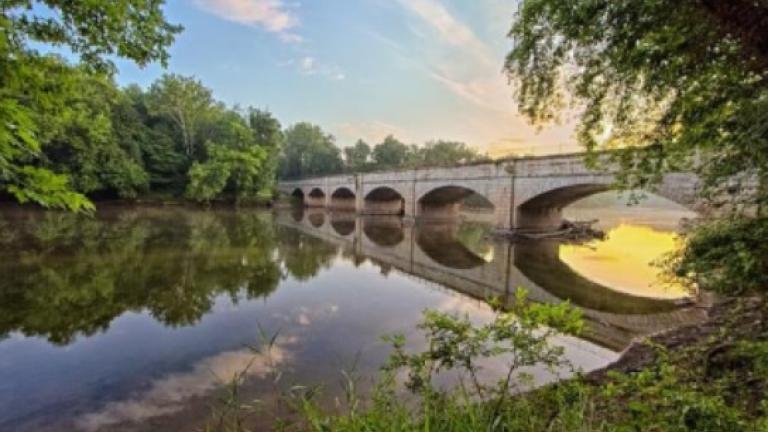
{"x":418,"y":69}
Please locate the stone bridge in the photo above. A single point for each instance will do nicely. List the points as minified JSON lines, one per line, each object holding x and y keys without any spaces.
{"x":433,"y":253}
{"x":524,"y":193}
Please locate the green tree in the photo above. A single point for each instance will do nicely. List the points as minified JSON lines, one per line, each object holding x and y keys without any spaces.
{"x":269,"y":135}
{"x":389,"y":154}
{"x":155,"y":137}
{"x":91,"y":30}
{"x":235,"y":162}
{"x":447,"y":153}
{"x":80,"y":139}
{"x":309,"y":151}
{"x":357,"y":157}
{"x":673,"y":85}
{"x":187,"y":103}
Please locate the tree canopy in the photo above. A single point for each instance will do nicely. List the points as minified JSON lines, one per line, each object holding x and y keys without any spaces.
{"x":309,"y":151}
{"x":32,"y":83}
{"x":666,"y":85}
{"x":673,"y":84}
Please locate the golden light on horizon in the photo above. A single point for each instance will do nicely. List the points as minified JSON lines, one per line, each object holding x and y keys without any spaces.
{"x":624,"y":261}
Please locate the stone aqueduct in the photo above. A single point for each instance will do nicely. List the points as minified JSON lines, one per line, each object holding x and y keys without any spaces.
{"x":525,"y":193}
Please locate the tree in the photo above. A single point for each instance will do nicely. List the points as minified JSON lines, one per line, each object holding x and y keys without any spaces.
{"x":390,"y":154}
{"x":80,"y":138}
{"x":235,"y":162}
{"x":673,"y":84}
{"x":356,"y":157}
{"x":269,"y":135}
{"x":309,"y":151}
{"x":447,"y":153}
{"x":187,"y":103}
{"x":93,"y":31}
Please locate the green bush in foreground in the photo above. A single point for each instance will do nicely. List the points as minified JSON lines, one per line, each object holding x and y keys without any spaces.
{"x":728,"y":256}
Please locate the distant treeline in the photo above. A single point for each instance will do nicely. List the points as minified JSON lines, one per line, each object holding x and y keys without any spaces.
{"x":308,"y":151}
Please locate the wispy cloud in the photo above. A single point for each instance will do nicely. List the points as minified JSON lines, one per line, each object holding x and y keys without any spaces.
{"x":273,"y":16}
{"x":450,"y":29}
{"x":309,"y":65}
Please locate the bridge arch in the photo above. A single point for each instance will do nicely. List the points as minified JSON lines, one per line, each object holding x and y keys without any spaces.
{"x":343,"y":199}
{"x":384,"y":200}
{"x":315,"y":198}
{"x":445,"y":202}
{"x":545,"y":210}
{"x":297,"y":196}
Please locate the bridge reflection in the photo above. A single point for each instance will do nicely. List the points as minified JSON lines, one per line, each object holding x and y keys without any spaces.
{"x":464,"y":260}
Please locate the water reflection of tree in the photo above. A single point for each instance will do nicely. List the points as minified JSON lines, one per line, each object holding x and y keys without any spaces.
{"x":65,"y":275}
{"x":303,"y":255}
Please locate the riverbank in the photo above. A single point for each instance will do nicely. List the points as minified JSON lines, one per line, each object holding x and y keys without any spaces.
{"x":707,"y":377}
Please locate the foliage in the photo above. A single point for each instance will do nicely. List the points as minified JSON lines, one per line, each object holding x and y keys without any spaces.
{"x":390,"y":154}
{"x":269,"y":135}
{"x":30,"y":81}
{"x":446,"y":153}
{"x":729,"y":257}
{"x":669,"y":83}
{"x":184,"y":101}
{"x":234,"y":163}
{"x":357,"y":157}
{"x":309,"y":151}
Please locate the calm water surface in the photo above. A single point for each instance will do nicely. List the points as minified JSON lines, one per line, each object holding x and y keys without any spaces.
{"x":131,"y":320}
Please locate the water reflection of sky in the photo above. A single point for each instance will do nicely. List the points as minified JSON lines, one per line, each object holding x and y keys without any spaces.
{"x":157,"y":308}
{"x":637,"y":240}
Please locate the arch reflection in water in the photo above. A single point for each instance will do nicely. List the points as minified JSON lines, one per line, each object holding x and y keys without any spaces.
{"x":384,"y":231}
{"x":441,"y":253}
{"x":344,"y":224}
{"x":441,"y":243}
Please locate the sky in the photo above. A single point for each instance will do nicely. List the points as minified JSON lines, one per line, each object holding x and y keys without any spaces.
{"x":417,"y":69}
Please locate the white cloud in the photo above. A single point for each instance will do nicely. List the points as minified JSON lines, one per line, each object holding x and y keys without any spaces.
{"x":309,"y":65}
{"x":273,"y":16}
{"x":449,"y":28}
{"x":168,"y":395}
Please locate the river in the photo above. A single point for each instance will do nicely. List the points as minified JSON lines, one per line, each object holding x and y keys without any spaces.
{"x":133,"y":319}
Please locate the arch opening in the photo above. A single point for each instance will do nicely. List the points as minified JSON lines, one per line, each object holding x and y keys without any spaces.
{"x":545,"y":211}
{"x":384,"y":201}
{"x":343,"y":199}
{"x":316,"y":198}
{"x":447,"y":202}
{"x":297,"y":197}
